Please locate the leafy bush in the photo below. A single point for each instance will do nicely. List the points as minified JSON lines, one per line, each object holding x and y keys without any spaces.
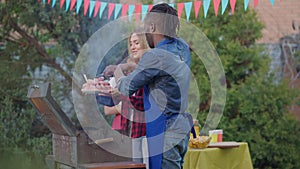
{"x":257,"y":105}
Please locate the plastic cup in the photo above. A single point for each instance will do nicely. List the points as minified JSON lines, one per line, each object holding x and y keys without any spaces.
{"x":216,"y":135}
{"x":220,"y":135}
{"x":213,"y":135}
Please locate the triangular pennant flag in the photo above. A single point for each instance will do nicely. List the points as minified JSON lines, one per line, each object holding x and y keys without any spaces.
{"x":232,"y":5}
{"x":102,"y":7}
{"x":72,"y":4}
{"x":197,"y":5}
{"x":111,"y":7}
{"x":61,"y":3}
{"x":180,"y":8}
{"x":224,"y":5}
{"x":68,"y":4}
{"x":246,"y":3}
{"x":171,"y":5}
{"x":188,"y":8}
{"x":53,"y":3}
{"x":138,"y":10}
{"x":206,"y":4}
{"x":150,"y":7}
{"x":92,"y":6}
{"x":78,"y":5}
{"x":97,"y":6}
{"x":117,"y":10}
{"x":216,"y":6}
{"x":255,"y":3}
{"x":124,"y":10}
{"x":272,"y":2}
{"x":44,"y":1}
{"x":49,"y":1}
{"x":144,"y":11}
{"x":86,"y":6}
{"x":130,"y":11}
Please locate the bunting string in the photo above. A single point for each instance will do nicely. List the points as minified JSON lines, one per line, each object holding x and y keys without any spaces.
{"x":92,"y":8}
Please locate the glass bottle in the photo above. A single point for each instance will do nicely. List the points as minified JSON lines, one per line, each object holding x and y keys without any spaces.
{"x":196,"y":128}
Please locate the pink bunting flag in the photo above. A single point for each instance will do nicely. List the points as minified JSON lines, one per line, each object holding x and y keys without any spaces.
{"x":124,"y":9}
{"x":111,"y":7}
{"x":150,"y":7}
{"x":180,"y":8}
{"x":232,"y":5}
{"x":96,"y":9}
{"x":216,"y":6}
{"x":255,"y":3}
{"x":86,"y":6}
{"x":138,"y":10}
{"x":197,"y":5}
{"x":49,"y":1}
{"x":61,"y":3}
{"x":72,"y":4}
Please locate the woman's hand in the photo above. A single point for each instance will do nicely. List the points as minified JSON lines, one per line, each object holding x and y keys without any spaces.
{"x":97,"y":85}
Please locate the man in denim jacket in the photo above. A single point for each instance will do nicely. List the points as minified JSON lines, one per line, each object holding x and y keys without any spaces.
{"x":164,"y":73}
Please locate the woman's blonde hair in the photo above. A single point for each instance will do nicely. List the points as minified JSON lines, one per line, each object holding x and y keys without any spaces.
{"x":142,"y":40}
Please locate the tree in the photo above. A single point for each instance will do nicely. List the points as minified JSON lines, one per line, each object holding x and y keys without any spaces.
{"x":38,"y":44}
{"x":257,"y":104}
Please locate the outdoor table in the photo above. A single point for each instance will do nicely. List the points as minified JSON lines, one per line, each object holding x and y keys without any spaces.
{"x":218,"y":158}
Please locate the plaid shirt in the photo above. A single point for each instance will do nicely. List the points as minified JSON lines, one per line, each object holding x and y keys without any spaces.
{"x":133,"y":115}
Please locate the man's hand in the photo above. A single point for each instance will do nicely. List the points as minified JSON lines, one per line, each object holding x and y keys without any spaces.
{"x":115,"y":93}
{"x":109,"y":71}
{"x":124,"y":69}
{"x":128,"y":67}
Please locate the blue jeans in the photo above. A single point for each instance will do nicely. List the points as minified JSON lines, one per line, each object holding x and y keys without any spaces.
{"x":176,"y":139}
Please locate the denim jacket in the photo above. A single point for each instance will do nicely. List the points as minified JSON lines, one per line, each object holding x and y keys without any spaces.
{"x":164,"y":70}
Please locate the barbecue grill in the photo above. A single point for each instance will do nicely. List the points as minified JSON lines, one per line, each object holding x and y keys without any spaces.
{"x":73,"y":148}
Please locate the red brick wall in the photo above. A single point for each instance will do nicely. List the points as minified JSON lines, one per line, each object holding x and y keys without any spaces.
{"x":278,"y":18}
{"x":278,"y":23}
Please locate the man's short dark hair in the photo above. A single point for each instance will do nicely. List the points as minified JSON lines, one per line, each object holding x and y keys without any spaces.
{"x":165,"y":17}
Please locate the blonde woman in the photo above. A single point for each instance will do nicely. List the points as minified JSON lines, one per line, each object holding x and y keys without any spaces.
{"x":129,"y":113}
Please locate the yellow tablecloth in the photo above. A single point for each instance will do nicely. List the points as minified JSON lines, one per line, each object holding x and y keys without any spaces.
{"x":216,"y":158}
